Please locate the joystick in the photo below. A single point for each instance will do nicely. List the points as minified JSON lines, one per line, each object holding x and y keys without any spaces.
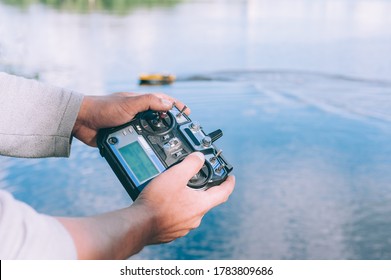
{"x":154,"y":141}
{"x":156,"y":122}
{"x":199,"y":180}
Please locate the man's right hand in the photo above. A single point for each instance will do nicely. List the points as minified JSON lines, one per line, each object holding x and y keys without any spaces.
{"x":165,"y":210}
{"x":175,"y":208}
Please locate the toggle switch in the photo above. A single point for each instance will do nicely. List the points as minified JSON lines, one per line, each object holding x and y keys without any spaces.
{"x":213,"y":159}
{"x":195,"y":126}
{"x":220,"y":168}
{"x":215,"y":135}
{"x":181,"y":112}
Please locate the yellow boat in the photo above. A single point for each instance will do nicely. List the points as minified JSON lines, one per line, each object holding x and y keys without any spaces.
{"x":156,"y":79}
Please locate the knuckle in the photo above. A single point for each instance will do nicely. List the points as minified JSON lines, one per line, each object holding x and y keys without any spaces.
{"x":196,"y":224}
{"x":150,"y":97}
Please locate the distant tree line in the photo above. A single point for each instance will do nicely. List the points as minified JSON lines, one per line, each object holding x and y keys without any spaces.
{"x":85,"y":6}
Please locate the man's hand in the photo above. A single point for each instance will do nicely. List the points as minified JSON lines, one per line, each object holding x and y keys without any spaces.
{"x":165,"y":210}
{"x":98,"y":112}
{"x":174,"y":208}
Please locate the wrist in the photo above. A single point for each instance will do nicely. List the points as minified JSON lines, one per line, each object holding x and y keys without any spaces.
{"x":82,"y":116}
{"x":142,"y":222}
{"x":114,"y":235}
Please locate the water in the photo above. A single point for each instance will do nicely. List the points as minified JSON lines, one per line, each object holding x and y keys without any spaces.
{"x":310,"y":150}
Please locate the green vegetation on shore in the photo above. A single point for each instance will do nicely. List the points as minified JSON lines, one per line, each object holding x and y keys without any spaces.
{"x":85,"y":6}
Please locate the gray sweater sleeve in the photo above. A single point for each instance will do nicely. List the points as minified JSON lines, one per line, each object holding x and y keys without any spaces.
{"x":36,"y":120}
{"x":26,"y":234}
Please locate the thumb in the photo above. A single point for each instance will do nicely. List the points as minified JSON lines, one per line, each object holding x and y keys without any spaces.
{"x":189,"y":167}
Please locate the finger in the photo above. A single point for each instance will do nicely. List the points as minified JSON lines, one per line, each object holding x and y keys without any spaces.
{"x":189,"y":167}
{"x":142,"y":102}
{"x":150,"y":101}
{"x":179,"y":104}
{"x":220,"y":194}
{"x":125,"y":94}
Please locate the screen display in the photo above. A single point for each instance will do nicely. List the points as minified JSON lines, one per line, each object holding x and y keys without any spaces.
{"x":138,"y":161}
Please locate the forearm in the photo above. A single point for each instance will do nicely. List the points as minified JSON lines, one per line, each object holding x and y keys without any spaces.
{"x":113,"y":235}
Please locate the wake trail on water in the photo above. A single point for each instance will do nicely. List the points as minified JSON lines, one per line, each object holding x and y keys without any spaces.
{"x":333,"y":93}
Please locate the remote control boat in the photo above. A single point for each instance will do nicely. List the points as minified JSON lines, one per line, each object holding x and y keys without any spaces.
{"x":156,"y":79}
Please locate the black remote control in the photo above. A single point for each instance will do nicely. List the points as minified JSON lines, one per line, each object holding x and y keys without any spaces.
{"x":154,"y":141}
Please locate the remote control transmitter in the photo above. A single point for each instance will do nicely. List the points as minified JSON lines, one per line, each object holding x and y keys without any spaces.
{"x":154,"y":141}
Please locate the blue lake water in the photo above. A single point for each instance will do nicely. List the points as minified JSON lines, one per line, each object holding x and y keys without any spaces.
{"x":300,"y":91}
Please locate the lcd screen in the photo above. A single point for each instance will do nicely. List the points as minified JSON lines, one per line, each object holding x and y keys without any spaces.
{"x":138,"y":161}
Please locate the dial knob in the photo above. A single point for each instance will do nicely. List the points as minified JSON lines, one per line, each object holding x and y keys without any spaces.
{"x":195,"y":126}
{"x":207,"y":141}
